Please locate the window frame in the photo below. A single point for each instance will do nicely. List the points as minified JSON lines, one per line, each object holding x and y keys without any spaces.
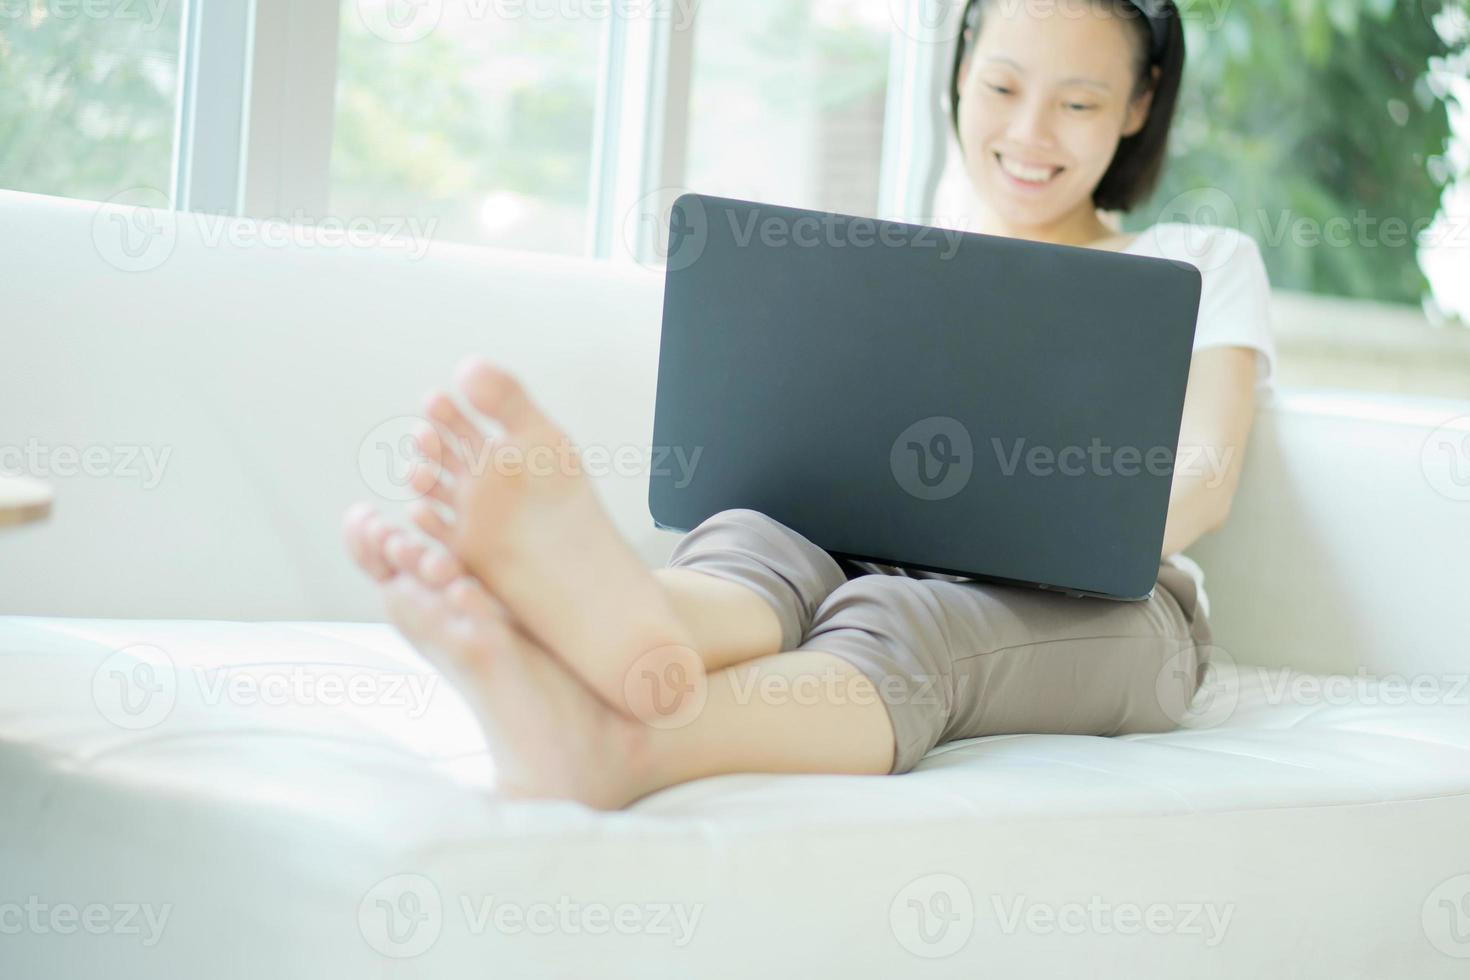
{"x":244,"y":148}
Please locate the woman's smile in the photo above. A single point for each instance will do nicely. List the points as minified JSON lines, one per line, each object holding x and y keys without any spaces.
{"x":1026,"y":177}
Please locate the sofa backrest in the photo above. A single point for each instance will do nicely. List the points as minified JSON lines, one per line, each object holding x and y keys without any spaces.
{"x":1348,"y":543}
{"x":208,"y":395}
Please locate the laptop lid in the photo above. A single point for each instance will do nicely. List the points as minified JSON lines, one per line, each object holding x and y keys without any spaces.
{"x":963,"y":403}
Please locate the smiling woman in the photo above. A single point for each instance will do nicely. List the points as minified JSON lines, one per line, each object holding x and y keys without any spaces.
{"x":537,"y":600}
{"x":1053,"y":133}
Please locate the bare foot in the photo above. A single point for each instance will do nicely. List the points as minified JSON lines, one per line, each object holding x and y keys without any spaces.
{"x":525,"y":520}
{"x":551,"y":737}
{"x":365,"y":533}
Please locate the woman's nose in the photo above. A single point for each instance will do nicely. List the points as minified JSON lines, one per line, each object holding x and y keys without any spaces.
{"x":1031,"y":125}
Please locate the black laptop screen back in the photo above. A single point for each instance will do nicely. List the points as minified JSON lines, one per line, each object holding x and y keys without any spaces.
{"x":963,"y":403}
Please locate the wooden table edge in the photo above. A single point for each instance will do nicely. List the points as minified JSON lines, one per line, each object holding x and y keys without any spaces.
{"x":24,"y":514}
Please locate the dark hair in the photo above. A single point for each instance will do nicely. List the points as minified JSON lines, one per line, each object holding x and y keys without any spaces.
{"x":1136,"y":167}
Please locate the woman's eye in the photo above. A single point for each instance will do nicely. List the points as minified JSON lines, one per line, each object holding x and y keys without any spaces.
{"x":1080,"y":106}
{"x":1000,"y":90}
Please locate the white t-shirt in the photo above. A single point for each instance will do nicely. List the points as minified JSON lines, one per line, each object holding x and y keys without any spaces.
{"x":1234,"y":309}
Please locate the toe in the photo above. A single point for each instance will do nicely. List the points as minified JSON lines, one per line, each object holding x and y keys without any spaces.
{"x":427,"y":479}
{"x":375,"y":532}
{"x":436,"y":449}
{"x":500,"y":396}
{"x":437,"y":568}
{"x":469,"y":597}
{"x":465,"y":438}
{"x":361,"y":544}
{"x":427,"y":518}
{"x":412,"y":608}
{"x":404,"y":553}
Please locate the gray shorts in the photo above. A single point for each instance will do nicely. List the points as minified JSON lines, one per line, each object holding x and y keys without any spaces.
{"x":957,"y":658}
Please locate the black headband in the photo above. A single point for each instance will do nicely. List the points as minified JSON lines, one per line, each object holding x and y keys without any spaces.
{"x":1156,"y":12}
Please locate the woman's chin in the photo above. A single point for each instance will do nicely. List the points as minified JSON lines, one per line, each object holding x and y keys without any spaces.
{"x":1018,"y":214}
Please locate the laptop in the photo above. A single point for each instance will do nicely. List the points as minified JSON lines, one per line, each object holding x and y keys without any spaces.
{"x":981,"y":406}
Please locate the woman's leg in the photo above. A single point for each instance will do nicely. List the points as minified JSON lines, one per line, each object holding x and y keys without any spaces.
{"x":802,"y":711}
{"x":746,"y":586}
{"x":959,"y":660}
{"x":728,"y":622}
{"x":892,"y":667}
{"x":552,"y":737}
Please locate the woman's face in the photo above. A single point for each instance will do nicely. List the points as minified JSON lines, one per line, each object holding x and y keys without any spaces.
{"x":1045,"y":96}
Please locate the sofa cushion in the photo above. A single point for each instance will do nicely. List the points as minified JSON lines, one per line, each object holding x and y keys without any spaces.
{"x":312,"y":800}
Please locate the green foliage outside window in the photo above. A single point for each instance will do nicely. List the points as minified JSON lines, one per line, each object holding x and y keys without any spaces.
{"x":1306,"y":111}
{"x":1313,"y":117}
{"x":87,"y":103}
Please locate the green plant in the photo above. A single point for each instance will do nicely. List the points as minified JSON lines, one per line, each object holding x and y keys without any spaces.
{"x":1327,"y":123}
{"x":413,"y":129}
{"x":87,"y":104}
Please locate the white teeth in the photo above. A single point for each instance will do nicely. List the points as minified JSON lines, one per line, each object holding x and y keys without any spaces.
{"x":1032,"y":175}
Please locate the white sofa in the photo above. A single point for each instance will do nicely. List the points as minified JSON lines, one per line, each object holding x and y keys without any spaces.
{"x":166,"y":812}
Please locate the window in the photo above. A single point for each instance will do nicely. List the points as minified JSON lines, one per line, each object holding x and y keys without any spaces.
{"x":786,"y":101}
{"x":1332,"y":128}
{"x":1447,"y":257}
{"x":88,"y":96}
{"x":479,"y":119}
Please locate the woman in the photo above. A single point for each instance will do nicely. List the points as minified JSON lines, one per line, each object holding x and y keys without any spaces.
{"x":754,"y":651}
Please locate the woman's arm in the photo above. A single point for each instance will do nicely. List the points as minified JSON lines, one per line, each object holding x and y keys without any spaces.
{"x":1219,"y":408}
